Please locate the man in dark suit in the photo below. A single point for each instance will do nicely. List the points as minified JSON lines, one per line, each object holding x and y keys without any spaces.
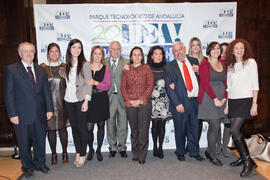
{"x":29,"y":105}
{"x":182,"y":87}
{"x":117,"y":127}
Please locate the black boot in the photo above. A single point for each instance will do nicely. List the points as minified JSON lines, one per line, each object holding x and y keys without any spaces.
{"x":249,"y":165}
{"x":154,"y":136}
{"x":155,"y":151}
{"x":160,"y":152}
{"x":241,"y":149}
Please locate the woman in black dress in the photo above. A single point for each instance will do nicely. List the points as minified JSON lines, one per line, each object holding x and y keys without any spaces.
{"x":160,"y":100}
{"x":56,"y":76}
{"x":99,"y":106}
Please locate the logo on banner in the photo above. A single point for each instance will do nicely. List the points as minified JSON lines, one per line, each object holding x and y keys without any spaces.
{"x":62,"y":15}
{"x":225,"y":35}
{"x":46,"y":26}
{"x":63,"y":37}
{"x":43,"y":48}
{"x":210,"y":24}
{"x":226,"y":13}
{"x":204,"y":45}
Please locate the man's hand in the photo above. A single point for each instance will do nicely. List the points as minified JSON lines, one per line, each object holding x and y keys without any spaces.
{"x":195,"y":68}
{"x":14,"y":120}
{"x":180,"y":108}
{"x":135,"y":103}
{"x":172,"y":86}
{"x":49,"y":115}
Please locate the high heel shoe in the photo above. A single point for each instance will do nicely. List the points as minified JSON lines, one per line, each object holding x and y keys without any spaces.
{"x":81,"y":161}
{"x":249,"y":166}
{"x":90,"y":154}
{"x":77,"y":158}
{"x":99,"y":156}
{"x":54,"y":159}
{"x":64,"y":158}
{"x":155,"y":152}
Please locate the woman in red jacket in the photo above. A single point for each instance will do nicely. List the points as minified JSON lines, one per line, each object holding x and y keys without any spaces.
{"x":212,"y":97}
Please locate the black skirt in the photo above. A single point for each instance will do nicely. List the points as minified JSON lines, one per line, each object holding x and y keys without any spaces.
{"x":240,"y":108}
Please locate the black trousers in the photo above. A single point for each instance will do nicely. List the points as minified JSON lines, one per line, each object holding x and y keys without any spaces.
{"x":33,"y":133}
{"x":77,"y":120}
{"x":139,"y":121}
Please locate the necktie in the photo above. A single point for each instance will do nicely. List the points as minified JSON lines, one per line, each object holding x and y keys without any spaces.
{"x":114,"y":68}
{"x":188,"y":80}
{"x":31,"y":75}
{"x":114,"y":64}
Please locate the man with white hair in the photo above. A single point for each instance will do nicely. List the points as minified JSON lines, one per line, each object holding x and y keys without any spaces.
{"x":29,"y":105}
{"x":182,"y":87}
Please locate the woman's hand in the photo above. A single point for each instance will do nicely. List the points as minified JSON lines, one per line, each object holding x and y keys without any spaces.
{"x":172,"y":86}
{"x":223,"y":101}
{"x":92,"y":82}
{"x":253,"y":110}
{"x":217,"y":102}
{"x":126,"y":67}
{"x":135,"y":103}
{"x":195,"y":68}
{"x":84,"y":106}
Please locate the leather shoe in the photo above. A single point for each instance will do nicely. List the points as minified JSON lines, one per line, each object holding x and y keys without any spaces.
{"x":54,"y":159}
{"x":64,"y":158}
{"x":44,"y":169}
{"x":99,"y":156}
{"x":215,"y":161}
{"x":90,"y":155}
{"x":198,"y":157}
{"x":181,"y":157}
{"x":238,"y":162}
{"x":135,"y":159}
{"x":141,"y":161}
{"x":27,"y":174}
{"x":112,"y":154}
{"x":123,"y":154}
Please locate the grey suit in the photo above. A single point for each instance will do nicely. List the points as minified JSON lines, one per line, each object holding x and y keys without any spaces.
{"x":117,"y":124}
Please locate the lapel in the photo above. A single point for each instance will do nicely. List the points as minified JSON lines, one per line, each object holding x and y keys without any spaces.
{"x":120,"y":65}
{"x":22,"y":71}
{"x":109,"y":64}
{"x":178,"y":73}
{"x":38,"y":75}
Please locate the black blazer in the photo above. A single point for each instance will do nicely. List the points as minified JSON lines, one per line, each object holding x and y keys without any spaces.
{"x":24,"y":100}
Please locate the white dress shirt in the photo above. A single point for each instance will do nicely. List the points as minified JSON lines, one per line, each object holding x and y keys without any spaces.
{"x":70,"y":95}
{"x":195,"y":90}
{"x":32,"y":68}
{"x":242,"y":80}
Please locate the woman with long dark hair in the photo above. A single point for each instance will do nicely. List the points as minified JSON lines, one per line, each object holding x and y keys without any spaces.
{"x":160,"y":101}
{"x":77,"y":95}
{"x":243,"y":88}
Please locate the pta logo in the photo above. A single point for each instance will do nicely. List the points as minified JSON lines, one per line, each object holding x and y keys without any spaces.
{"x":210,"y":24}
{"x":63,"y":37}
{"x":226,"y":13}
{"x":152,"y":33}
{"x":46,"y":26}
{"x":43,"y":48}
{"x":205,"y":45}
{"x":62,"y":15}
{"x":225,"y":35}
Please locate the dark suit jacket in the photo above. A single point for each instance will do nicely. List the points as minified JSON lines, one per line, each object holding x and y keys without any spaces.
{"x":173,"y":74}
{"x":24,"y":100}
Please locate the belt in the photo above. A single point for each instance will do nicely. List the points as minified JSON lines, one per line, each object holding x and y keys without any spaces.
{"x":97,"y":91}
{"x":192,"y":98}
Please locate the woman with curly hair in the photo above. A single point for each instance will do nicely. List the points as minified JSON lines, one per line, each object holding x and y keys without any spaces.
{"x":243,"y":87}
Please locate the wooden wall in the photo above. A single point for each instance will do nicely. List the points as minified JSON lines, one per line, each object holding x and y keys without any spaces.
{"x":253,"y":24}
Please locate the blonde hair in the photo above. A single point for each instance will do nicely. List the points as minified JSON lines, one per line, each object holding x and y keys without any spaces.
{"x":201,"y":57}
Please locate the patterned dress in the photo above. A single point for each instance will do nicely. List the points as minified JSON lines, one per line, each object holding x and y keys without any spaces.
{"x":160,"y":100}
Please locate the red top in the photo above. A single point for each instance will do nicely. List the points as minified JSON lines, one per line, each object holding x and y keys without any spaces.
{"x":204,"y":72}
{"x":137,"y":84}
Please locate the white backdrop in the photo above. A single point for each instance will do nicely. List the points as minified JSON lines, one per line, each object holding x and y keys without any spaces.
{"x":134,"y":24}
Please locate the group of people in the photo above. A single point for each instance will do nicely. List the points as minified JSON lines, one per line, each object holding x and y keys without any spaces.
{"x":222,"y":88}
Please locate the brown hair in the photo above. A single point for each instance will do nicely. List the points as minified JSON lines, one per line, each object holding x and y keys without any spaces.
{"x":92,"y":52}
{"x":230,"y":58}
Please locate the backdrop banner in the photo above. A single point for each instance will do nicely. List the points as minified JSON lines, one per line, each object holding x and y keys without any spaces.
{"x":134,"y":24}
